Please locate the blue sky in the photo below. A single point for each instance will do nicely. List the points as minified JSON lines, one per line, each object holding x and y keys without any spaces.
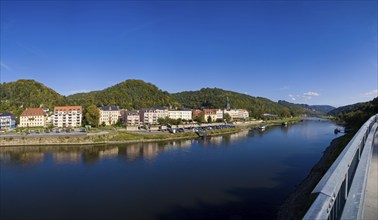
{"x":314,"y":52}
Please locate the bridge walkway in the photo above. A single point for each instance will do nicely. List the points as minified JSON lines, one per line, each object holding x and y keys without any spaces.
{"x":371,"y":196}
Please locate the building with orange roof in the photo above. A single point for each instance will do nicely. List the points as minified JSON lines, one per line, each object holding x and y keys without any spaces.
{"x":67,"y":116}
{"x":210,"y":113}
{"x":33,"y":117}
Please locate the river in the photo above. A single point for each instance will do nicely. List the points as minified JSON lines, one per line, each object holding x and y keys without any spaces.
{"x":245,"y":175}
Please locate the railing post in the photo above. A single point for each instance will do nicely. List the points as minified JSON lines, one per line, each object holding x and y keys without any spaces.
{"x":346,"y":186}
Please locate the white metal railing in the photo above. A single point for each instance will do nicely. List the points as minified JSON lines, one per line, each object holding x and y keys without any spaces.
{"x":338,"y":183}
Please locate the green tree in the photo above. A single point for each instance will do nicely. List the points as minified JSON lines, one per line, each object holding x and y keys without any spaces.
{"x":92,"y":116}
{"x":227,"y":117}
{"x":209,"y":119}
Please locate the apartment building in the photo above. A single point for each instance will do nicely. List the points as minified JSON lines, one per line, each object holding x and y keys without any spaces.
{"x":237,"y":113}
{"x":33,"y":117}
{"x":131,"y":117}
{"x":7,"y":121}
{"x":109,"y":115}
{"x":151,"y":115}
{"x":185,"y":114}
{"x":67,"y":116}
{"x":219,"y":113}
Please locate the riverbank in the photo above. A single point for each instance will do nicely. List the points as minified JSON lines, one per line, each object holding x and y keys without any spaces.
{"x":298,"y":202}
{"x":121,"y":136}
{"x":110,"y":137}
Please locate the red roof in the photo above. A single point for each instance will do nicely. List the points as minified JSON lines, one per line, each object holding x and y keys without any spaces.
{"x":67,"y":108}
{"x":33,"y":112}
{"x":210,"y":111}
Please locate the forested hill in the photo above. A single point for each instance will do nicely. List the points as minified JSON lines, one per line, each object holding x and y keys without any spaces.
{"x":17,"y":96}
{"x":136,"y":94}
{"x":216,"y":98}
{"x":357,"y":114}
{"x":130,"y":94}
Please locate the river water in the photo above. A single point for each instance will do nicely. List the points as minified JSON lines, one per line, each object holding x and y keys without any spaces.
{"x":240,"y":176}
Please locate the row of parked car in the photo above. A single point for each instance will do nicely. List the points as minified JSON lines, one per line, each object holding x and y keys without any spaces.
{"x":216,"y":127}
{"x":200,"y":128}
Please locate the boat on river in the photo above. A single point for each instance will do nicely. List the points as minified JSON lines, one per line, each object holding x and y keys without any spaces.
{"x":261,"y":128}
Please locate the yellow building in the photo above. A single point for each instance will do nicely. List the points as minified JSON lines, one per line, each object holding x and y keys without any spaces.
{"x":109,"y":115}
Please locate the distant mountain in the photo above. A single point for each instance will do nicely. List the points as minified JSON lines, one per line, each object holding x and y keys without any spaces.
{"x":322,"y":108}
{"x":310,"y":109}
{"x":217,"y":98}
{"x":357,"y":114}
{"x":17,"y":96}
{"x":130,"y":94}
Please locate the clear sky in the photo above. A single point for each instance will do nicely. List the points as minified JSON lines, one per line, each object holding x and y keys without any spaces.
{"x":314,"y":52}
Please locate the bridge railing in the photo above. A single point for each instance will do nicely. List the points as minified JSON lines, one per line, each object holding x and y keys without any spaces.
{"x":333,"y":190}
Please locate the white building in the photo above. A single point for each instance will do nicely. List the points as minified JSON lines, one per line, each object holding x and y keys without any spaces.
{"x":32,"y":117}
{"x":109,"y":115}
{"x":237,"y":113}
{"x":185,"y":114}
{"x":151,"y":115}
{"x":131,"y":117}
{"x":219,"y":113}
{"x":67,"y":116}
{"x":7,"y":121}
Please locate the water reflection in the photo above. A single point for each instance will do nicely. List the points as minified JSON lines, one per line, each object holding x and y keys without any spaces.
{"x":64,"y":157}
{"x":89,"y":154}
{"x":245,"y":174}
{"x":92,"y":153}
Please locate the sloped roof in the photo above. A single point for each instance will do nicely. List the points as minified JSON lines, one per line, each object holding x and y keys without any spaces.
{"x":209,"y":111}
{"x":33,"y":112}
{"x":5,"y":114}
{"x":109,"y":108}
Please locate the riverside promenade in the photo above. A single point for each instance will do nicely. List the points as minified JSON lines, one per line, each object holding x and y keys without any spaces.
{"x":371,"y":199}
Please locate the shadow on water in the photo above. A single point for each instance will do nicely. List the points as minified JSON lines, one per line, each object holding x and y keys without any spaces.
{"x":251,"y":204}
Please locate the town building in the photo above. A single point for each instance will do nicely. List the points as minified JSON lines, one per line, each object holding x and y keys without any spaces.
{"x":7,"y":121}
{"x":32,"y":117}
{"x":184,"y":114}
{"x":237,"y":113}
{"x":67,"y":116}
{"x":151,"y":115}
{"x":197,"y":113}
{"x":219,"y":114}
{"x":210,"y":113}
{"x":131,"y":117}
{"x":109,"y":115}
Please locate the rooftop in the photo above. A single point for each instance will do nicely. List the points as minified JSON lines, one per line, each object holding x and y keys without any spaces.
{"x":67,"y":108}
{"x":33,"y":112}
{"x":109,"y":108}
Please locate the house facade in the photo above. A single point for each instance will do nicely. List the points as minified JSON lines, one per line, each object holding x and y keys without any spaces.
{"x":185,"y":114}
{"x":210,"y":113}
{"x":219,"y":114}
{"x":131,"y":117}
{"x":7,"y":121}
{"x":151,"y":115}
{"x":32,"y":117}
{"x":237,"y":113}
{"x":109,"y":115}
{"x":67,"y":116}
